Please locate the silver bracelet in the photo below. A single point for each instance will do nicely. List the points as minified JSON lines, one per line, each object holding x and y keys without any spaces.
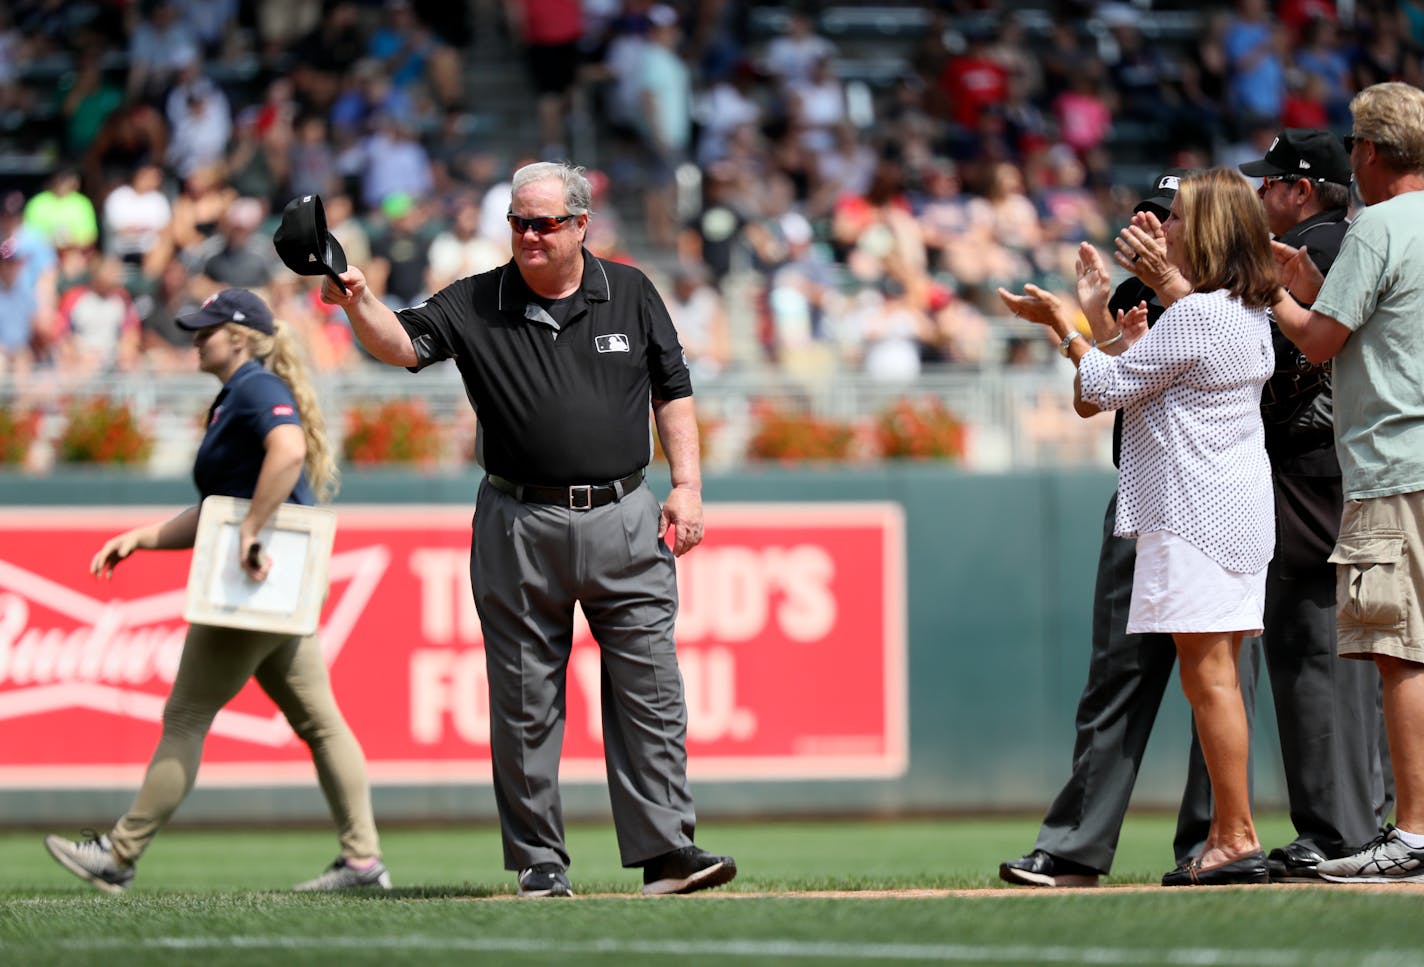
{"x":1109,"y":342}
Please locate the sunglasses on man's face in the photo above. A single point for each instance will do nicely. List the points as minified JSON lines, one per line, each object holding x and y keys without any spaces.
{"x":542,"y":224}
{"x":1350,"y":142}
{"x":1270,"y":181}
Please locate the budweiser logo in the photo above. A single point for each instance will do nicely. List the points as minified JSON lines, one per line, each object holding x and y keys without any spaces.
{"x":117,"y":651}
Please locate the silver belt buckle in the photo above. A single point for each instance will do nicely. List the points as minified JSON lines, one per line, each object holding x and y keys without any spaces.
{"x":587,"y":491}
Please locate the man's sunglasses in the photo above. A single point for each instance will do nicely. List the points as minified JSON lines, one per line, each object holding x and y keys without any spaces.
{"x":1350,"y":142}
{"x":542,"y":224}
{"x":1270,"y":181}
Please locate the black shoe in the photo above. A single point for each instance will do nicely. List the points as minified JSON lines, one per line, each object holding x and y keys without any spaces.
{"x":544,"y":879}
{"x":1044,"y":869}
{"x":686,"y":870}
{"x":1248,"y":869}
{"x":1294,"y":863}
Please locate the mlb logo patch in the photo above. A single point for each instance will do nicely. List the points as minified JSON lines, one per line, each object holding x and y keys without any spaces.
{"x":614,"y":342}
{"x":282,"y":409}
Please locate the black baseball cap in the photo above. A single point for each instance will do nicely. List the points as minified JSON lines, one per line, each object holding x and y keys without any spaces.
{"x":230,"y":305}
{"x":1305,"y":153}
{"x":1164,"y":192}
{"x":304,"y":244}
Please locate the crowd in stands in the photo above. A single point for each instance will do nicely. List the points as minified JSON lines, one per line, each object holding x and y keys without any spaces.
{"x":863,"y":220}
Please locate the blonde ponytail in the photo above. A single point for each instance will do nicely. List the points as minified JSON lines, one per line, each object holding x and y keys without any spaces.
{"x":279,"y":353}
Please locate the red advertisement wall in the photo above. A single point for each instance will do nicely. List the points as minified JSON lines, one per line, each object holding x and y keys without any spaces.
{"x":791,"y":638}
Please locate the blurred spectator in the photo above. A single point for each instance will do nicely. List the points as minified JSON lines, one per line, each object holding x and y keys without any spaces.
{"x":1320,"y":55}
{"x":18,"y":310}
{"x":1382,"y":56}
{"x":398,"y":254}
{"x":209,"y":23}
{"x":712,"y":237}
{"x":1136,"y":71}
{"x":236,"y":257}
{"x":875,"y":234}
{"x":972,"y":82}
{"x":86,"y":97}
{"x":200,"y":119}
{"x":847,"y":168}
{"x":312,"y":165}
{"x":456,"y":162}
{"x":550,"y":32}
{"x":259,"y":162}
{"x":133,"y":134}
{"x":700,"y":316}
{"x":37,"y":261}
{"x":326,"y":54}
{"x":199,"y":207}
{"x":415,"y":58}
{"x":98,"y":327}
{"x":802,"y":295}
{"x":721,"y":107}
{"x":1304,"y":106}
{"x":1083,"y":113}
{"x":460,"y":250}
{"x":665,"y":89}
{"x":791,"y":57}
{"x":892,"y":333}
{"x":816,"y":106}
{"x":62,"y":213}
{"x":393,"y":162}
{"x":162,"y":44}
{"x":136,"y":217}
{"x":282,"y":23}
{"x":164,"y":346}
{"x":1254,"y":46}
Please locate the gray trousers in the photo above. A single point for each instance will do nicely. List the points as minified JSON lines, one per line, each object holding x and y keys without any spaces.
{"x":1127,"y":677}
{"x":529,"y":564}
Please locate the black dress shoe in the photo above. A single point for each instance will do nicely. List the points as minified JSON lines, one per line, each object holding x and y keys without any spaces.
{"x":1294,"y":863}
{"x":1248,"y":869}
{"x":1044,"y":869}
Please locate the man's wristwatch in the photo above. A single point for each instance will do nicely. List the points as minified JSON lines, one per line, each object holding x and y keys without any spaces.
{"x":1068,"y":341}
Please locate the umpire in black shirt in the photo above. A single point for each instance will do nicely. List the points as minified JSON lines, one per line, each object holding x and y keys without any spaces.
{"x":562,"y":355}
{"x":1327,"y":709}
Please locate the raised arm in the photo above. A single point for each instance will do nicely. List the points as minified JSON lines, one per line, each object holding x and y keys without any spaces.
{"x":373,"y":322}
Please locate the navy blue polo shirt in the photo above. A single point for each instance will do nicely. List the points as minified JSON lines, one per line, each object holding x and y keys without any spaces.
{"x":230,"y":457}
{"x":561,"y":401}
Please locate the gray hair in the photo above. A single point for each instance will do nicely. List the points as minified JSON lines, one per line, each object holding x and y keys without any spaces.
{"x":1391,"y":115}
{"x":578,"y":193}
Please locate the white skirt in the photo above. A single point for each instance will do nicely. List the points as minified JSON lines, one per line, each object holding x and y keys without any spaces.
{"x":1177,"y":588}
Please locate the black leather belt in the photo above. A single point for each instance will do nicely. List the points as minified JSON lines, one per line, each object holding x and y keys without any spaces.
{"x":577,"y":497}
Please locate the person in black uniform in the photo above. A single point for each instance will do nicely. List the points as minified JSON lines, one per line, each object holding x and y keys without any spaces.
{"x":562,"y":354}
{"x":265,"y":443}
{"x":1327,"y":709}
{"x":1127,"y":679}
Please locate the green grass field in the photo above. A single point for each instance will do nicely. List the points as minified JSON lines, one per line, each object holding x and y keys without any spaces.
{"x":219,"y":898}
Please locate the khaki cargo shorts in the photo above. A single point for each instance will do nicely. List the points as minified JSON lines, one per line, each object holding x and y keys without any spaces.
{"x":1379,"y":577}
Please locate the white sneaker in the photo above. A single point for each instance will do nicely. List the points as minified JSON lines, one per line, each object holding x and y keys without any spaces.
{"x":1384,"y":859}
{"x":92,"y":859}
{"x":340,"y":876}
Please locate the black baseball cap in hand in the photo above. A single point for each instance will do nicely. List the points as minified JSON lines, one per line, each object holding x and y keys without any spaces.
{"x":304,"y":244}
{"x":1303,"y":153}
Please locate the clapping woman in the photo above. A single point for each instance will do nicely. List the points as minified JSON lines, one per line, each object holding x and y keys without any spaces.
{"x":1194,"y":487}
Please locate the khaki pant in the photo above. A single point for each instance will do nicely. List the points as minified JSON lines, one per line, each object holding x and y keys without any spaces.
{"x":1379,"y":560}
{"x":216,"y":664}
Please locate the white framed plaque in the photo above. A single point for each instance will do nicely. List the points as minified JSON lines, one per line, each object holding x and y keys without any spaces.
{"x":297,"y":538}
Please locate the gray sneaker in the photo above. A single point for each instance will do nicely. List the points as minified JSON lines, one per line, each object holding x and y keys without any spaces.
{"x":340,"y":876}
{"x":92,"y":859}
{"x":1384,"y":859}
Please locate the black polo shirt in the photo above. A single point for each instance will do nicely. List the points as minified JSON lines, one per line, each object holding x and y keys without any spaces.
{"x":251,"y":404}
{"x":558,"y":403}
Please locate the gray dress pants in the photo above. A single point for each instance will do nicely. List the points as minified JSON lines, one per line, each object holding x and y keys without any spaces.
{"x":1127,"y":677}
{"x":529,"y":564}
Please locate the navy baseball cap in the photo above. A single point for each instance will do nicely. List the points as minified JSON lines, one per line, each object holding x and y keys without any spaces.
{"x":1164,"y":192}
{"x":230,"y":305}
{"x":1303,"y":153}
